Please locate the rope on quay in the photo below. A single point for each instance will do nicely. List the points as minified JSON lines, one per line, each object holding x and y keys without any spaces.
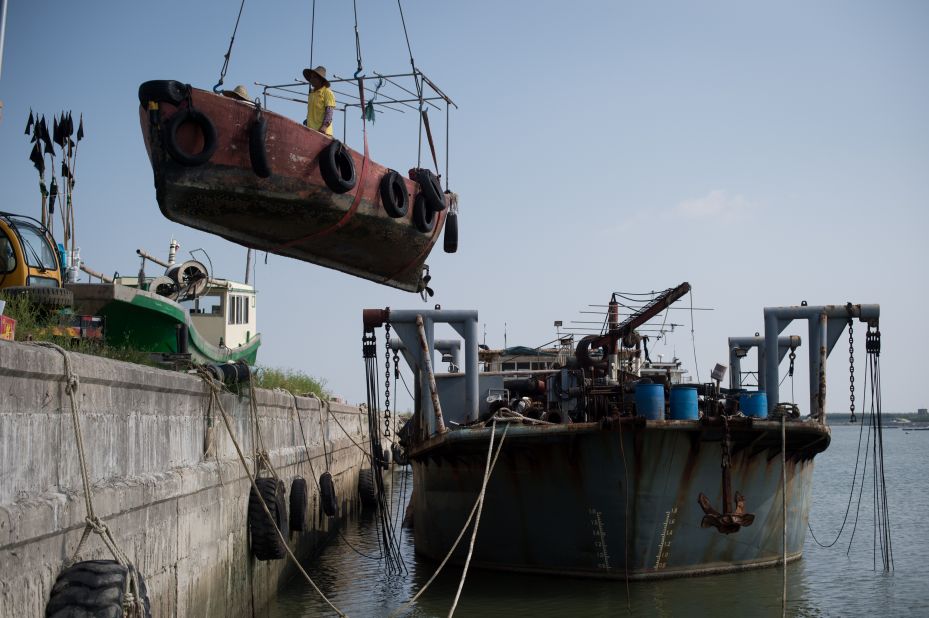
{"x":214,"y":394}
{"x":478,"y":504}
{"x":309,"y":459}
{"x":132,"y":599}
{"x":345,"y":431}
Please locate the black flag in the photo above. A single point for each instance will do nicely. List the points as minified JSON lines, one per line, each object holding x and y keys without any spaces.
{"x":70,"y":125}
{"x":52,"y":195}
{"x":65,"y":172}
{"x":46,"y":138}
{"x":80,"y":128}
{"x":56,"y":132}
{"x":30,"y":123}
{"x":37,"y":159}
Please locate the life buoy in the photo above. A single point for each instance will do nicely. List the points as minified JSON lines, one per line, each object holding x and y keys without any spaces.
{"x":431,"y":188}
{"x":450,"y":238}
{"x":298,"y":504}
{"x":394,"y":196}
{"x":257,"y":151}
{"x":423,"y":217}
{"x":337,"y":167}
{"x":327,"y":495}
{"x":266,"y":544}
{"x":183,"y":116}
{"x":162,"y":90}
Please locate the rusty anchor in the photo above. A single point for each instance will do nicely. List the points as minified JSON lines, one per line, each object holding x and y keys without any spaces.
{"x":728,"y":521}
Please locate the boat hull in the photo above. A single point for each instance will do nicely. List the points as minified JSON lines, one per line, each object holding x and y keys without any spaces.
{"x":144,"y":321}
{"x":292,"y":212}
{"x":583,"y":501}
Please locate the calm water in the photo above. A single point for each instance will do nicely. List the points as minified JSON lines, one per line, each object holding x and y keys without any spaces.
{"x":825,"y":582}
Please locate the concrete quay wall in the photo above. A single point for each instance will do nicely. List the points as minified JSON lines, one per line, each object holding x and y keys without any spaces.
{"x":166,"y":479}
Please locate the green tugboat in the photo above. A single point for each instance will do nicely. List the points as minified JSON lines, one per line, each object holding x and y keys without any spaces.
{"x":184,"y":311}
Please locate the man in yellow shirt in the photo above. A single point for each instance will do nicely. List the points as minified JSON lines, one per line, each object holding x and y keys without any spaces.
{"x":321,"y":105}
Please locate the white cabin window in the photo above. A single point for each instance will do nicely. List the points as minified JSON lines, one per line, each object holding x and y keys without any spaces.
{"x":238,"y":309}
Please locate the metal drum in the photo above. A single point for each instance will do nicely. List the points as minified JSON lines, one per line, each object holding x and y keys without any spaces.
{"x":684,"y":402}
{"x":649,"y":401}
{"x":754,"y":404}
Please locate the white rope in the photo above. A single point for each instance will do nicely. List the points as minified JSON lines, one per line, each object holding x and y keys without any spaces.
{"x":464,"y":528}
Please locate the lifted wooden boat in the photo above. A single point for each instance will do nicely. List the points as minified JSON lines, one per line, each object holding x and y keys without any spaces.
{"x":257,"y":178}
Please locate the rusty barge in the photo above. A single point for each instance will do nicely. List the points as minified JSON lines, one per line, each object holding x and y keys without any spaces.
{"x":586,"y":478}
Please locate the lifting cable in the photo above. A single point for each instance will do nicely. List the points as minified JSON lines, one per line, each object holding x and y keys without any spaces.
{"x":222,"y":72}
{"x":419,"y":88}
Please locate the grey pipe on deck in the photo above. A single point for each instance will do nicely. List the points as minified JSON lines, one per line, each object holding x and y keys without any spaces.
{"x":736,"y":344}
{"x":825,"y":325}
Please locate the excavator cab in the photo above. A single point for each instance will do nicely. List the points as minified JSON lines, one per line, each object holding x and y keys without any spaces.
{"x":29,"y":262}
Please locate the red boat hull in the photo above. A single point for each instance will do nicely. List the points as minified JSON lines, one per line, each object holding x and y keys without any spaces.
{"x":292,"y":212}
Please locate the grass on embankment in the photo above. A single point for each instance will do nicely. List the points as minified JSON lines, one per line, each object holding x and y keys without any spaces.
{"x":33,"y":323}
{"x":297,"y":382}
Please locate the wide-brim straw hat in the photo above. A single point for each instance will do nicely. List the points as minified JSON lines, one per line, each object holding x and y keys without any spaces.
{"x":239,"y":92}
{"x":320,"y":72}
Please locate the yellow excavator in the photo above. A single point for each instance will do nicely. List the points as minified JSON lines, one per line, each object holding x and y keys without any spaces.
{"x":29,"y":262}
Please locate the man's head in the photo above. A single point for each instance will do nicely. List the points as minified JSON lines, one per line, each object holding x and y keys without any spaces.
{"x":316,"y":77}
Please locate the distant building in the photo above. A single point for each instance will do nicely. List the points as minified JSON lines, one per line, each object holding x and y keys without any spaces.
{"x":922,"y":412}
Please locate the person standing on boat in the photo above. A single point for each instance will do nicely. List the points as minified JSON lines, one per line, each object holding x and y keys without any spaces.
{"x":321,"y":105}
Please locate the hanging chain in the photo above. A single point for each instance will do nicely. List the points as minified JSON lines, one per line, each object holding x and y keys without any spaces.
{"x":790,"y":372}
{"x":851,"y":371}
{"x":387,"y":380}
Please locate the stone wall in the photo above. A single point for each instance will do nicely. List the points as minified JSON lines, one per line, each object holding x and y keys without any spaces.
{"x":166,"y":479}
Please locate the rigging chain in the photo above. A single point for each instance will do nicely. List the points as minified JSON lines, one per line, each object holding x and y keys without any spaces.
{"x":851,"y":371}
{"x":387,"y":380}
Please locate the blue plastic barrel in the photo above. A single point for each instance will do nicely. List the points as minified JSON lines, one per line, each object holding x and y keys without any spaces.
{"x":684,"y":402}
{"x":754,"y":403}
{"x":649,"y":401}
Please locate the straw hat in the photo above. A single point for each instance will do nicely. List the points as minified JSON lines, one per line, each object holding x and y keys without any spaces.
{"x":239,"y":92}
{"x":319,"y":71}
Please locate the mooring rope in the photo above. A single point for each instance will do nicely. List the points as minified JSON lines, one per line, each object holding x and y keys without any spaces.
{"x":132,"y":600}
{"x":214,"y":393}
{"x":784,"y":495}
{"x":477,"y":504}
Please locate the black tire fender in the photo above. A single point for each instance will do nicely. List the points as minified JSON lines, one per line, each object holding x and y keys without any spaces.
{"x":327,"y":495}
{"x":399,"y":455}
{"x":394,"y":195}
{"x":337,"y":168}
{"x":450,"y":238}
{"x":257,"y":147}
{"x":367,"y":490}
{"x":45,"y":297}
{"x":298,"y":504}
{"x":265,"y":542}
{"x":183,"y":116}
{"x":162,"y":90}
{"x":431,"y":189}
{"x":93,"y":588}
{"x":423,"y":218}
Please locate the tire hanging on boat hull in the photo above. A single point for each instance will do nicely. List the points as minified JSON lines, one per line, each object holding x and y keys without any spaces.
{"x":337,"y":168}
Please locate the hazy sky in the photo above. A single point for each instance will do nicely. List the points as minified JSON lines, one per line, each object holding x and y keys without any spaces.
{"x":766,"y":153}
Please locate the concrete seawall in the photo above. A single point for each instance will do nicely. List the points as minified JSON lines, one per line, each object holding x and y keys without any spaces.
{"x":166,"y":479}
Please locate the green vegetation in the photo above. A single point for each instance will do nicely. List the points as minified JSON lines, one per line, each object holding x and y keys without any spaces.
{"x":296,"y":382}
{"x":35,"y":323}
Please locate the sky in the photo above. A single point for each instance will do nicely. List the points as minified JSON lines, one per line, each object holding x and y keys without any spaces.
{"x":767,"y":153}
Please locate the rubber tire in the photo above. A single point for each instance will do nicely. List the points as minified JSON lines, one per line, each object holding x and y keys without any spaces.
{"x":334,"y":162}
{"x":367,"y":490}
{"x":265,"y":542}
{"x":160,"y":90}
{"x":208,"y":129}
{"x":298,"y":504}
{"x":50,"y":298}
{"x":257,"y":147}
{"x":399,"y":455}
{"x":450,"y":238}
{"x":431,"y":188}
{"x":327,"y":497}
{"x":423,"y":218}
{"x":93,"y":588}
{"x":394,"y":195}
